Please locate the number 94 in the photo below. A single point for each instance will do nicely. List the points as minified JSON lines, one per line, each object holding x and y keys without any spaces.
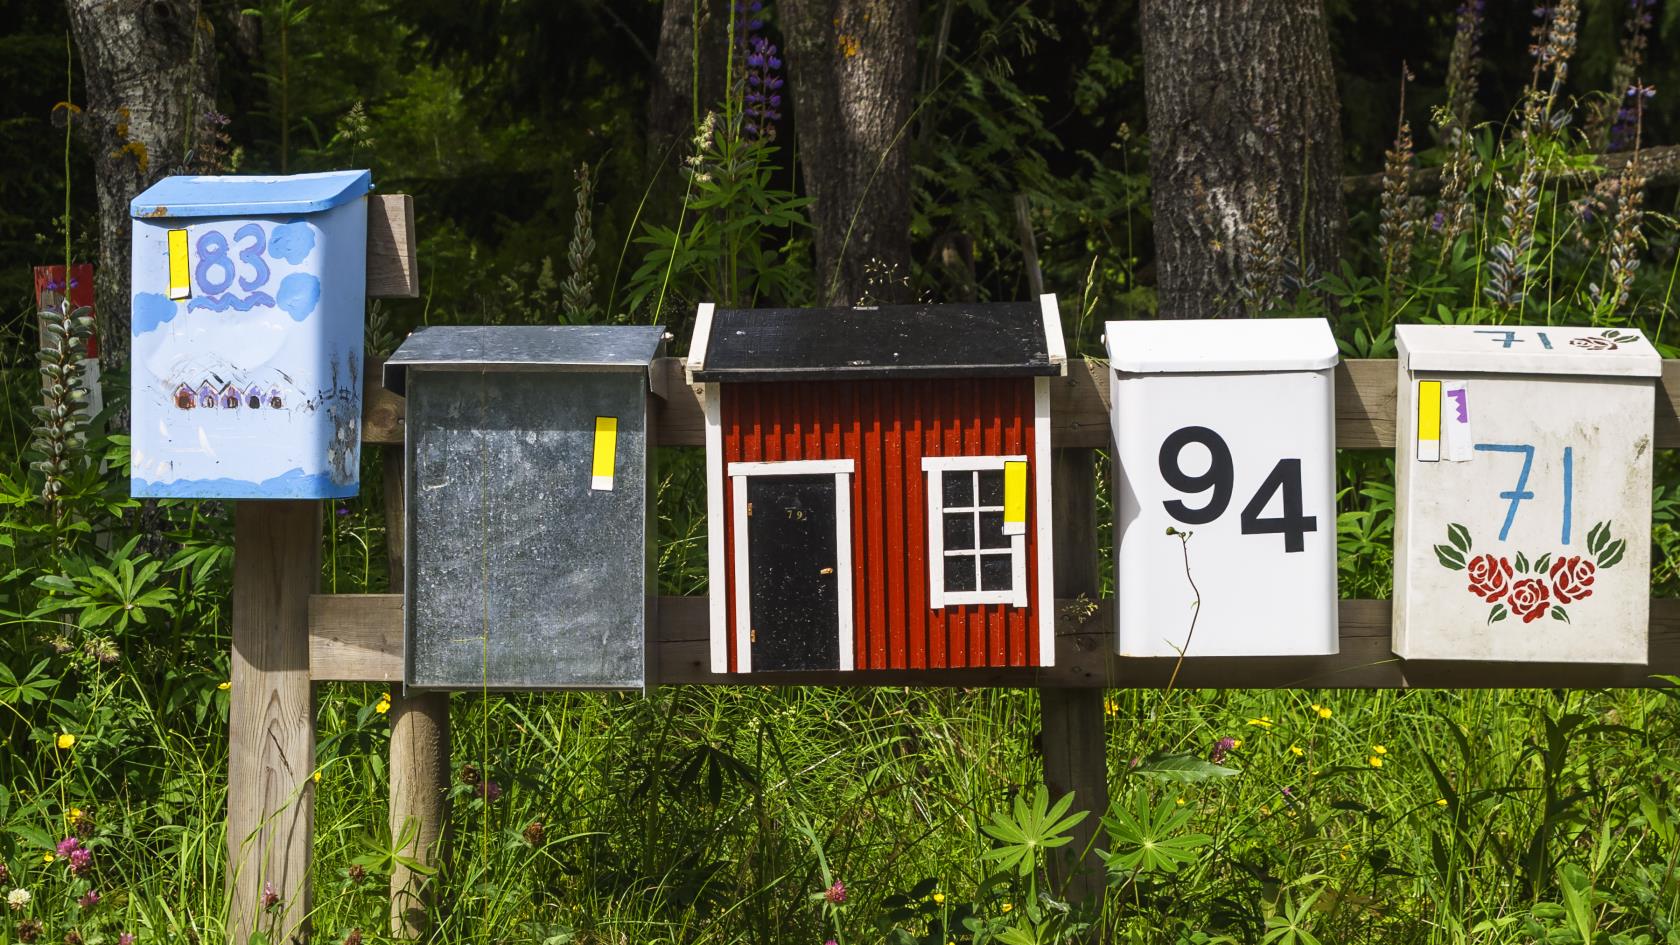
{"x":1220,"y":479}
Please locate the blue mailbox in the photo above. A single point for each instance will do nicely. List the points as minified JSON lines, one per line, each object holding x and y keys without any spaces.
{"x":249,"y":295}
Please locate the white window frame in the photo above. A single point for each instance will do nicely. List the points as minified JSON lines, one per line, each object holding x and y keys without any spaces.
{"x":739,"y":473}
{"x":934,"y":469}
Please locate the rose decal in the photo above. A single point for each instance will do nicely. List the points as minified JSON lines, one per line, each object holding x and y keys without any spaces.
{"x":1545,"y":584}
{"x":1572,"y":579}
{"x":1594,"y":343}
{"x":1529,"y":599}
{"x":1490,"y":577}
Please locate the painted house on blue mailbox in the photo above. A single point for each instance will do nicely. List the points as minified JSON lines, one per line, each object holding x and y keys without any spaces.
{"x":248,"y":301}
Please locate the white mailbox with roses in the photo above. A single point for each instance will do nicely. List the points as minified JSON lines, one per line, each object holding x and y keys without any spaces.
{"x":1523,"y":493}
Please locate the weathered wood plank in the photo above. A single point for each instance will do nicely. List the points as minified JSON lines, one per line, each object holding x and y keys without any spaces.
{"x":391,"y":273}
{"x":419,"y":754}
{"x":359,"y":637}
{"x":271,"y":722}
{"x":1071,"y":733}
{"x":1365,"y":399}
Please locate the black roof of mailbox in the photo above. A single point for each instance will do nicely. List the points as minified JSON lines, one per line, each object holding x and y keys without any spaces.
{"x":525,"y":347}
{"x":946,"y":340}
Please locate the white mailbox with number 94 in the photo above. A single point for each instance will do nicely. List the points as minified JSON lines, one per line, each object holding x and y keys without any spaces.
{"x":1523,"y":493}
{"x":1225,"y":519}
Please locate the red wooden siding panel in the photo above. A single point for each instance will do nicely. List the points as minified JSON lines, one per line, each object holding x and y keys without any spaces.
{"x":886,"y":428}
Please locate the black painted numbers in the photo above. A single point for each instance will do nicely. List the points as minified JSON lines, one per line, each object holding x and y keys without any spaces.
{"x":1220,"y":479}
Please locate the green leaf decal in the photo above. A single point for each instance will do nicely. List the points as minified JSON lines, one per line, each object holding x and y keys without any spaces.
{"x":1612,"y":553}
{"x":1558,"y":614}
{"x":1522,"y":562}
{"x":1596,"y":537}
{"x":1497,"y":614}
{"x":1450,"y":557}
{"x":1542,"y":562}
{"x":1459,"y":536}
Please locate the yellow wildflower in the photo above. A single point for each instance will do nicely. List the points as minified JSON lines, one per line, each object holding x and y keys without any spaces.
{"x":1440,"y":802}
{"x":1296,"y":750}
{"x":939,"y":897}
{"x":1379,"y":749}
{"x":75,"y":812}
{"x":47,"y":858}
{"x":316,"y":777}
{"x":383,"y":705}
{"x":66,"y":741}
{"x":1236,"y":743}
{"x":1008,"y":906}
{"x":224,"y":685}
{"x":1110,"y":706}
{"x":1179,"y":801}
{"x":1264,"y":721}
{"x":1376,"y":761}
{"x":1265,"y":810}
{"x":1323,"y":711}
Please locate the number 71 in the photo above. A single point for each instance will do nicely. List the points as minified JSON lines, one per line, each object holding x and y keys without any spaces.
{"x":1521,"y":491}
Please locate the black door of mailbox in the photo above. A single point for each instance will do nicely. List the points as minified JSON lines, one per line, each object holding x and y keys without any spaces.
{"x":793,"y":588}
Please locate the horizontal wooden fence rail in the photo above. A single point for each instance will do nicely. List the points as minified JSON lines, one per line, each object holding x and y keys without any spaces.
{"x":1365,"y":397}
{"x":358,"y":637}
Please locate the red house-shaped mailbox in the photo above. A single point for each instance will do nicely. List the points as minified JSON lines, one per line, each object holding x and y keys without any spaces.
{"x":878,"y":485}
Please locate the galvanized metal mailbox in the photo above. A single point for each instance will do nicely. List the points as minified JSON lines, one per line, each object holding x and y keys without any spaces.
{"x":248,"y":304}
{"x":1523,"y":494}
{"x":529,"y":506}
{"x":1225,"y":462}
{"x":878,"y":485}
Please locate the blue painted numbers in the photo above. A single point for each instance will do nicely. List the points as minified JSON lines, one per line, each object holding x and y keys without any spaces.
{"x":1506,"y":337}
{"x":244,"y":259}
{"x":1520,"y":491}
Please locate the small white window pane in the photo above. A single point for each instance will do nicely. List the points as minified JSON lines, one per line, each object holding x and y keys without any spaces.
{"x":996,"y":572}
{"x":959,"y":532}
{"x":959,"y":489}
{"x":959,"y":574}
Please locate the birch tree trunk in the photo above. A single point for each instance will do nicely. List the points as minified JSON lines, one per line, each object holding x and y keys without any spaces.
{"x":1245,"y":152}
{"x":851,"y":73}
{"x":150,"y":69}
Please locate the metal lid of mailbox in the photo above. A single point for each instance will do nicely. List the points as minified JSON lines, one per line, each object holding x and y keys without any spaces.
{"x":525,"y":348}
{"x":1220,"y":346}
{"x":235,"y":196}
{"x":959,"y":339}
{"x":1527,"y":349}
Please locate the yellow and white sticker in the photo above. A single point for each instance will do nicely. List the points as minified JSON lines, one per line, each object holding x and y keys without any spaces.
{"x":1015,"y":497}
{"x":1429,"y":421}
{"x":180,"y":286}
{"x":606,"y":449}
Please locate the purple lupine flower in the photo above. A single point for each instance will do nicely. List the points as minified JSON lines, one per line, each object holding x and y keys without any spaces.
{"x":1437,"y":221}
{"x":763,"y":96}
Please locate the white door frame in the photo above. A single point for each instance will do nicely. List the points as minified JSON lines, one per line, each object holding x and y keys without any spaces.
{"x":739,"y":473}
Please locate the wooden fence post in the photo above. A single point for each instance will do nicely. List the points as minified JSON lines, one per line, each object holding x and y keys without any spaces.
{"x":1075,"y":750}
{"x":271,"y":719}
{"x":419,"y":763}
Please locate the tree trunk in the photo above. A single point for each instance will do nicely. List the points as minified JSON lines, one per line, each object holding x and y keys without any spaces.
{"x":150,"y":69}
{"x":852,"y":72}
{"x":673,"y":108}
{"x":1245,"y":152}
